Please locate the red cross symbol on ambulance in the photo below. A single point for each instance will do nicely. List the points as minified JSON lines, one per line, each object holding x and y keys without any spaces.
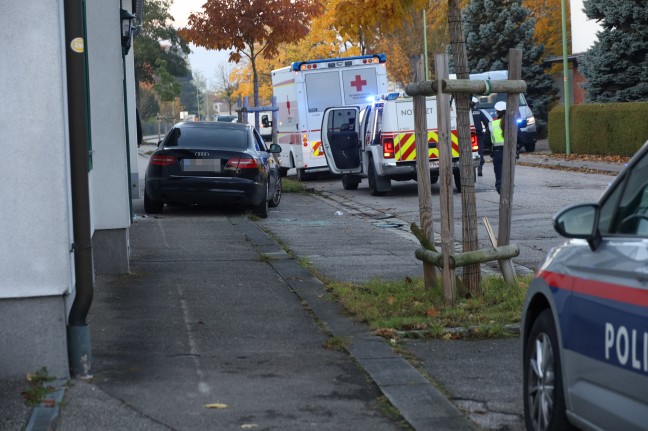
{"x":358,"y":83}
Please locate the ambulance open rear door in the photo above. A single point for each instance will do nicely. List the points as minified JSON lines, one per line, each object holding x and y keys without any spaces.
{"x":340,"y":139}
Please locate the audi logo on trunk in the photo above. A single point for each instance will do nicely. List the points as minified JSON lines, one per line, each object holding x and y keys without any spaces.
{"x":201,"y":154}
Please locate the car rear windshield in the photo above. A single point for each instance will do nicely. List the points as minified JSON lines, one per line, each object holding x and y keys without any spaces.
{"x":205,"y":137}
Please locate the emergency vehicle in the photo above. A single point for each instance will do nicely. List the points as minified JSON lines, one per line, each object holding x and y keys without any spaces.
{"x":376,"y":142}
{"x":265,"y":126}
{"x":584,"y":325}
{"x":527,"y":135}
{"x":305,"y":89}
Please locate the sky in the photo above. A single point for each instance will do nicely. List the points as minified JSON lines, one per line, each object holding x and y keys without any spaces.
{"x":583,"y":29}
{"x":202,"y":60}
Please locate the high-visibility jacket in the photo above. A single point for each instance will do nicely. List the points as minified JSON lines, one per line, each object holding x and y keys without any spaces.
{"x":497,"y":134}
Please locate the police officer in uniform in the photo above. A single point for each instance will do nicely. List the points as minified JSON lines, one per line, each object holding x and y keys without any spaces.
{"x":480,"y":120}
{"x":497,"y":138}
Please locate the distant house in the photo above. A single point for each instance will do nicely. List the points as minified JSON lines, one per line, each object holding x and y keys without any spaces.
{"x":577,"y":94}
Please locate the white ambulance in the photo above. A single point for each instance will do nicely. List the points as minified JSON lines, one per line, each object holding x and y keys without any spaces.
{"x":305,"y":89}
{"x":376,"y":142}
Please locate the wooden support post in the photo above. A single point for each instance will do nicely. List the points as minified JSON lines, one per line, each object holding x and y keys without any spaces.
{"x":275,"y":120}
{"x":508,"y":161}
{"x":509,"y":273}
{"x":483,"y":87}
{"x":444,"y":146}
{"x":423,"y":175}
{"x":469,"y":257}
{"x":429,"y":88}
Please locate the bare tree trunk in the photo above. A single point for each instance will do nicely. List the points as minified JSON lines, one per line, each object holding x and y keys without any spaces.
{"x":471,"y":273}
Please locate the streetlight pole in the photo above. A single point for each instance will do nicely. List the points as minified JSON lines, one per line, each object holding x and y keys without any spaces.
{"x":566,"y":91}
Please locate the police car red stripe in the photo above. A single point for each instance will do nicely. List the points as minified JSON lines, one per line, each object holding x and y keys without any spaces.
{"x":614,"y":292}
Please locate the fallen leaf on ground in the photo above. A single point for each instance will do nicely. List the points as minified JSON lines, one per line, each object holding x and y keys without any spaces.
{"x":432,"y":312}
{"x":385,"y":332}
{"x":249,"y":426}
{"x":215,"y":406}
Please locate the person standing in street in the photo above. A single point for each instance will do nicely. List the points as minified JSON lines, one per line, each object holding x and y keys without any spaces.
{"x":497,"y":138}
{"x":480,"y":120}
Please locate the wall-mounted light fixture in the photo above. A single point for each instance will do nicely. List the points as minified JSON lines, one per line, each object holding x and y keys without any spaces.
{"x":126,"y":30}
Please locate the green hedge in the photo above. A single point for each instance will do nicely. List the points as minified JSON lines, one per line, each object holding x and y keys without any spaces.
{"x":600,"y":128}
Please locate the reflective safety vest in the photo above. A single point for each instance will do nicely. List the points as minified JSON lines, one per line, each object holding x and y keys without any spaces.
{"x":497,"y":134}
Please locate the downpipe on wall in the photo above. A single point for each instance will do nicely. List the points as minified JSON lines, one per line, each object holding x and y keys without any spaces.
{"x":79,"y":346}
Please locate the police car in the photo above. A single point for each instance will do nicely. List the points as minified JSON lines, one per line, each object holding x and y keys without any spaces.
{"x":585,"y":320}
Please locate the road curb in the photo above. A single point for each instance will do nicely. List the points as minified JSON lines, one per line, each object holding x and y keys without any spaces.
{"x":420,"y":403}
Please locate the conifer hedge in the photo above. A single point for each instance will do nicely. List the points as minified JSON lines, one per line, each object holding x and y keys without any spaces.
{"x":615,"y":129}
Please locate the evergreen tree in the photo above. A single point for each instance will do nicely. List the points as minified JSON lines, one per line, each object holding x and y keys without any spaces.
{"x":159,"y":40}
{"x":492,"y":27}
{"x":616,"y":66}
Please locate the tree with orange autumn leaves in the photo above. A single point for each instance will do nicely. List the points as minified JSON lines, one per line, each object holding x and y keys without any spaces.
{"x":250,"y":29}
{"x":548,"y":28}
{"x":345,"y":28}
{"x":323,"y":41}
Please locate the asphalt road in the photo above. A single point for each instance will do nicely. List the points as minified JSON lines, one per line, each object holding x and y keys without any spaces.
{"x":539,"y":194}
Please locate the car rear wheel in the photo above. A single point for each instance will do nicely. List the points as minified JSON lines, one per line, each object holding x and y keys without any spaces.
{"x":373,"y":180}
{"x":350,"y":182}
{"x":276,"y":197}
{"x":544,"y":400}
{"x":261,"y":210}
{"x":302,"y":175}
{"x":151,"y":206}
{"x":457,"y":180}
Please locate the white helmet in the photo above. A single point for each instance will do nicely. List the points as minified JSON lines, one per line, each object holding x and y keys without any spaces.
{"x":500,"y":106}
{"x":475,"y":100}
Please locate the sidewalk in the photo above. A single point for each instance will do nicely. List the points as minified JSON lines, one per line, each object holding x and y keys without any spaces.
{"x":145,"y":389}
{"x":251,"y":343}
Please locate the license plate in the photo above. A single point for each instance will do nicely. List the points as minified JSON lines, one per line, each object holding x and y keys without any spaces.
{"x":434,"y":163}
{"x":202,"y":165}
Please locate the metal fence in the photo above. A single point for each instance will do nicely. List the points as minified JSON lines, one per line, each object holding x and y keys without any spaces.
{"x":156,"y":127}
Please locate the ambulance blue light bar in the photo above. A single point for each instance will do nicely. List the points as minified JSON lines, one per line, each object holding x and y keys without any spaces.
{"x":327,"y":63}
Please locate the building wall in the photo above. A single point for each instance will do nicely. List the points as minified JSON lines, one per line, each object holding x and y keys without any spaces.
{"x":579,"y":93}
{"x":37,"y":283}
{"x":35,"y":220}
{"x":110,"y":174}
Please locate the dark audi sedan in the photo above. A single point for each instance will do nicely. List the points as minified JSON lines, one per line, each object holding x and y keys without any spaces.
{"x":208,"y":163}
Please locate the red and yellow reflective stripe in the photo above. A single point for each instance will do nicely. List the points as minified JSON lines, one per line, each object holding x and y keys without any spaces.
{"x":318,"y":150}
{"x":405,"y":145}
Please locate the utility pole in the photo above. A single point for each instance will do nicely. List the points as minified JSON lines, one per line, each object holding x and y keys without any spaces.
{"x":198,"y":101}
{"x":566,"y":89}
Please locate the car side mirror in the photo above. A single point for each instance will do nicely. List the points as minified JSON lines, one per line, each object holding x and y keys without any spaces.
{"x":580,"y":221}
{"x":274,"y":149}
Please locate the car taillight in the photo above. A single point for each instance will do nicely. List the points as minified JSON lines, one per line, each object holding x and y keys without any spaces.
{"x":474,"y":142}
{"x":388,"y":148}
{"x":242,"y":163}
{"x":162,"y":160}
